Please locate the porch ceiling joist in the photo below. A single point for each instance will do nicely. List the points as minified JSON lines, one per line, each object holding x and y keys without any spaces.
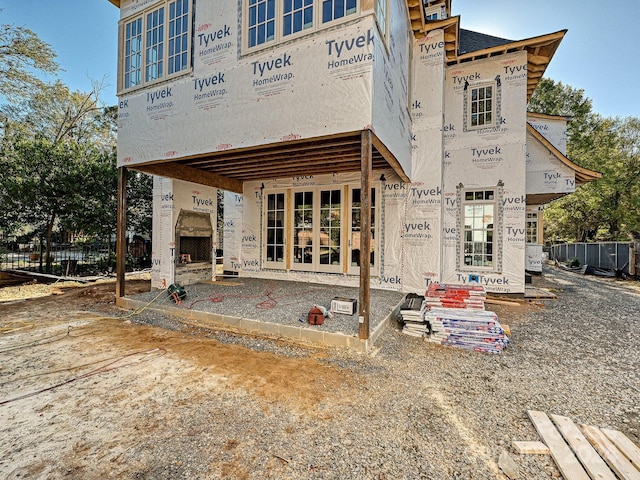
{"x":229,"y":169}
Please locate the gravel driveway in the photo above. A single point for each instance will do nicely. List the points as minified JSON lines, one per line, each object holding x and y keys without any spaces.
{"x":418,"y":410}
{"x":411,"y":410}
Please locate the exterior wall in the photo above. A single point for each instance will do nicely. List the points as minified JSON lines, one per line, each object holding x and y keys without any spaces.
{"x":554,"y":129}
{"x":313,"y":86}
{"x":421,"y":226}
{"x":545,"y":173}
{"x":169,"y":197}
{"x":390,"y":102}
{"x":343,"y":80}
{"x":487,"y":158}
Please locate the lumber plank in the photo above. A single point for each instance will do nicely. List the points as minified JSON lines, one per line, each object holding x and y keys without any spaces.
{"x":626,"y":446}
{"x":524,"y":447}
{"x":563,"y":456}
{"x":608,"y":451}
{"x":595,"y":466}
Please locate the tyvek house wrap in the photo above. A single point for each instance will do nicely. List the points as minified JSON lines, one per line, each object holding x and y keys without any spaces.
{"x":320,"y":85}
{"x":169,"y":198}
{"x":545,"y":173}
{"x":487,"y":157}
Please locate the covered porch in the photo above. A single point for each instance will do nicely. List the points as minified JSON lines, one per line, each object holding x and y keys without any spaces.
{"x":229,"y":169}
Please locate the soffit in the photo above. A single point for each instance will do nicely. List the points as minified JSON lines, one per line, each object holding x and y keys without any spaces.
{"x":322,"y":155}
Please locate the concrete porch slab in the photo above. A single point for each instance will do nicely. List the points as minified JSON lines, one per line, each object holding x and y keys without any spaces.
{"x":273,"y":308}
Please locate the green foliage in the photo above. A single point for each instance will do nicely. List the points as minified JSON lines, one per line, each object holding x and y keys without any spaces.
{"x":22,"y":52}
{"x":573,"y":262}
{"x":605,"y":209}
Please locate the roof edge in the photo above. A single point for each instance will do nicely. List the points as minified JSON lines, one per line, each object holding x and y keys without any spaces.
{"x":583,"y":175}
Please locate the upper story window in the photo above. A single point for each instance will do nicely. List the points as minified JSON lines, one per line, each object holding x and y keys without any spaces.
{"x":438,"y":12}
{"x":482,"y":105}
{"x":272,"y":21}
{"x":382,"y":9}
{"x":156,"y":43}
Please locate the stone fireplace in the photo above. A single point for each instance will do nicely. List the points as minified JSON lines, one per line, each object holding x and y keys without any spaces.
{"x":194,"y":246}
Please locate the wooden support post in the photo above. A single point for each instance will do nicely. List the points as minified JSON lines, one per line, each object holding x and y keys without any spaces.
{"x":365,"y":234}
{"x":121,"y":231}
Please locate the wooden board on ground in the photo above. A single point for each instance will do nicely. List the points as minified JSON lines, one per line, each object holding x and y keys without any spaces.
{"x":591,"y":461}
{"x":608,"y":451}
{"x":626,"y":446}
{"x":524,"y":447}
{"x":497,"y":301}
{"x":538,"y":294}
{"x":563,"y":456}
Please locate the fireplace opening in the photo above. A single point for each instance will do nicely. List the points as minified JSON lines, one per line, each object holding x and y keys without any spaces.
{"x":195,"y":249}
{"x":194,"y":238}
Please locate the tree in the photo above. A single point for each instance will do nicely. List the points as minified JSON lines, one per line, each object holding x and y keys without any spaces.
{"x":606,"y":208}
{"x":21,"y":52}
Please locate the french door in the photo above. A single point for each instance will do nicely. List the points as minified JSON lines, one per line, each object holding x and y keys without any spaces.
{"x":317,"y":229}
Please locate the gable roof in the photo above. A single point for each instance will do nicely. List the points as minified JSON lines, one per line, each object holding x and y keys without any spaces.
{"x":583,"y":175}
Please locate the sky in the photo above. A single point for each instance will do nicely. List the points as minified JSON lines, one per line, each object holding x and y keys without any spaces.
{"x":599,"y":53}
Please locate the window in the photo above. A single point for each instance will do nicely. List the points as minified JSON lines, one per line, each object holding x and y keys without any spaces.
{"x":532,"y":227}
{"x":336,"y":9}
{"x":156,"y":44}
{"x":321,"y":232}
{"x":381,"y":16}
{"x":298,"y":15}
{"x":478,"y":228}
{"x":435,"y":13}
{"x":269,"y":21}
{"x":481,"y":106}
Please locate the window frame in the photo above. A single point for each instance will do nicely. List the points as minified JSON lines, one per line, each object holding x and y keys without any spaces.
{"x":281,"y":263}
{"x":345,"y":230}
{"x":166,"y":57}
{"x":279,"y":36}
{"x":532,"y":231}
{"x":468,"y":113}
{"x":382,"y":18}
{"x":495,"y":244}
{"x":376,"y":232}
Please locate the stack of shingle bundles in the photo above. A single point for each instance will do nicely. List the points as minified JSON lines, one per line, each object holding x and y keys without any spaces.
{"x":412,"y":314}
{"x":456,"y":296}
{"x":477,"y":330}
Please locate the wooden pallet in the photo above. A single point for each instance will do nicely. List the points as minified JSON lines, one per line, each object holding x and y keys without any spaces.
{"x":587,"y":452}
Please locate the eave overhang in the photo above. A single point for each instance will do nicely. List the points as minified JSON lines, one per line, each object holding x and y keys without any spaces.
{"x":582,"y":175}
{"x":116,"y":3}
{"x":540,"y":50}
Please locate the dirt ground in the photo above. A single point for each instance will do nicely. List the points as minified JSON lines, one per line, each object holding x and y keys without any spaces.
{"x":77,"y":389}
{"x":89,"y":391}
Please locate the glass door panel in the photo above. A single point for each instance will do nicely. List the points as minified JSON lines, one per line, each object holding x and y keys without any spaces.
{"x":330,"y":249}
{"x":275,"y":225}
{"x":356,"y":223}
{"x":303,"y":230}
